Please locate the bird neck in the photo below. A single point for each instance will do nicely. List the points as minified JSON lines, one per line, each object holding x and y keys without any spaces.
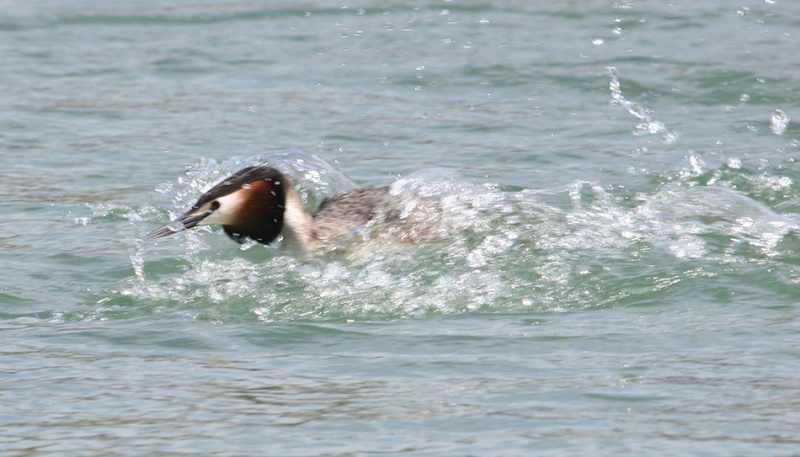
{"x":298,"y":225}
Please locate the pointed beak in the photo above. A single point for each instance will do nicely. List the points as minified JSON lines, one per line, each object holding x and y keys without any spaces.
{"x":187,"y":221}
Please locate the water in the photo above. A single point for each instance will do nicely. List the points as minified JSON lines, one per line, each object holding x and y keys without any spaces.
{"x":614,"y":270}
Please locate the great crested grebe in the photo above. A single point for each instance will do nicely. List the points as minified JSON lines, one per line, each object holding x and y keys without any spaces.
{"x":260,"y":203}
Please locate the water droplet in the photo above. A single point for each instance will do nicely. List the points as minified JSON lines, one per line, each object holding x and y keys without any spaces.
{"x":779,"y":122}
{"x":136,"y":256}
{"x":696,"y":164}
{"x":648,"y":126}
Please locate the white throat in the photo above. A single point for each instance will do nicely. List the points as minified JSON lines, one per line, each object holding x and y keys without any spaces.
{"x":298,"y":225}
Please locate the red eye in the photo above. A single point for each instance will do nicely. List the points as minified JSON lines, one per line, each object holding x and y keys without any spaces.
{"x":214,"y":205}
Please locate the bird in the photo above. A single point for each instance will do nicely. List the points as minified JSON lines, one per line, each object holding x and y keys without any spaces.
{"x":261,"y":203}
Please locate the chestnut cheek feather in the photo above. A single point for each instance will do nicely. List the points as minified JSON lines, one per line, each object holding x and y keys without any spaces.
{"x":260,"y":215}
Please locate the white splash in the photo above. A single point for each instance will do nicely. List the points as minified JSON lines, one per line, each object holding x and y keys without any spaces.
{"x":779,"y":122}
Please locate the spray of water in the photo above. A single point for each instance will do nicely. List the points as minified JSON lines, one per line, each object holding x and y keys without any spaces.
{"x":483,"y":249}
{"x":648,"y":125}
